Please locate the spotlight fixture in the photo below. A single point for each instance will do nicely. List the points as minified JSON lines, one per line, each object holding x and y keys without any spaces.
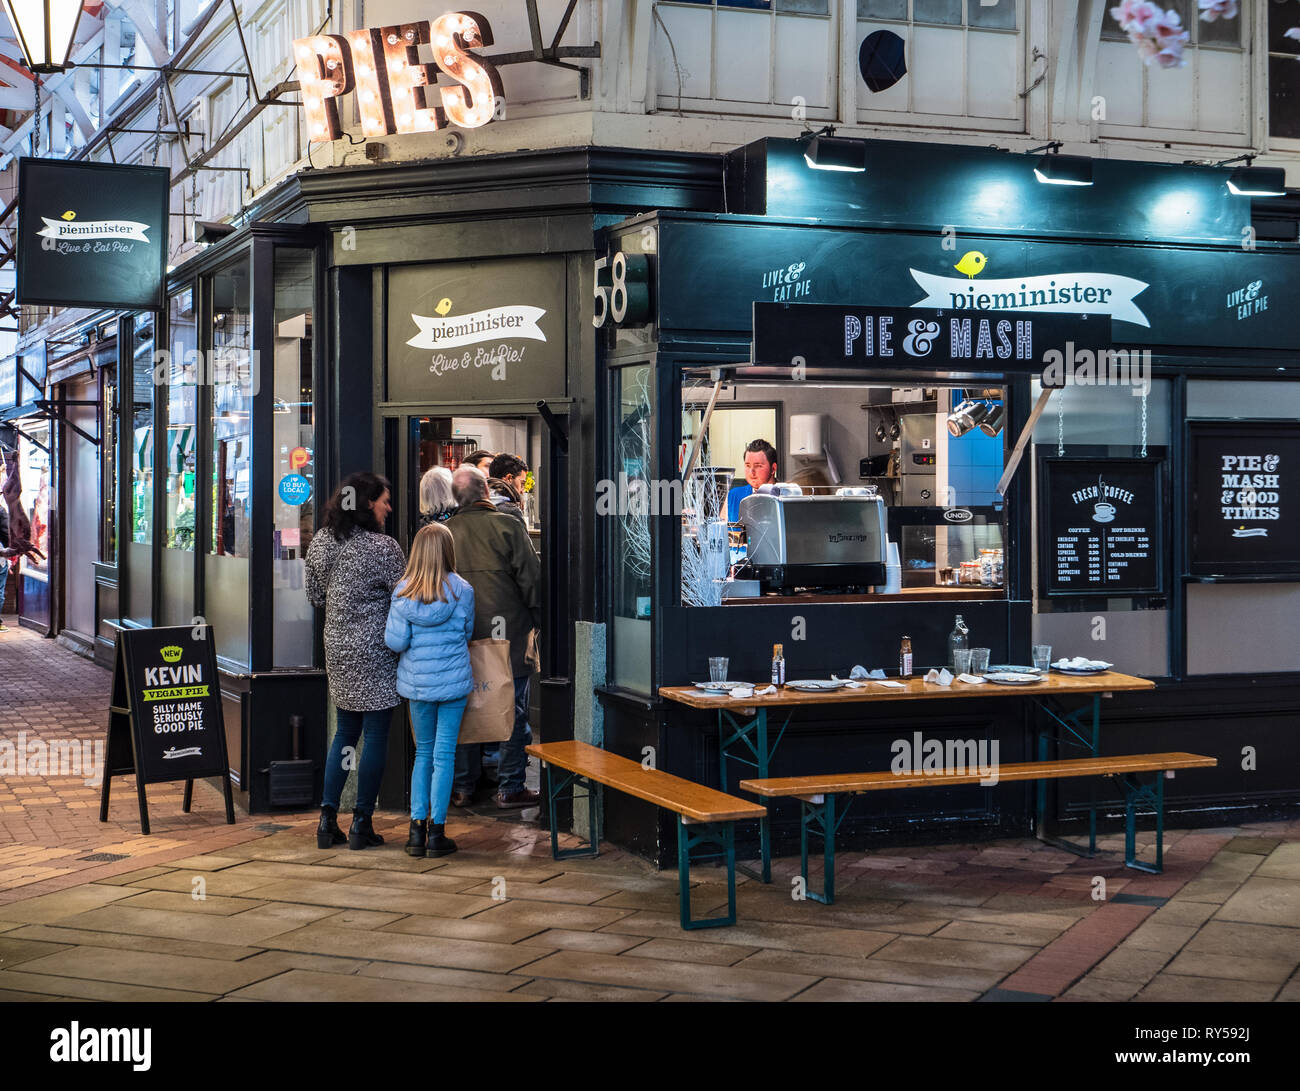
{"x":1248,"y":181}
{"x":992,"y":424}
{"x":962,"y":419}
{"x":1061,"y":170}
{"x":826,"y":151}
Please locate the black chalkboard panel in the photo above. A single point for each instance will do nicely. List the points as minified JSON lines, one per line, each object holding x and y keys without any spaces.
{"x":1244,"y":480}
{"x":1102,"y":526}
{"x":165,"y":722}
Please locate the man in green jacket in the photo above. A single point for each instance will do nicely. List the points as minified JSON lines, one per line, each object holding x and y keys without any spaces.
{"x":494,"y":554}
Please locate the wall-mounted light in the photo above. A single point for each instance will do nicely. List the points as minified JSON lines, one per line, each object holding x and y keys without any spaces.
{"x":1061,"y":170}
{"x":1248,"y":181}
{"x":992,"y":424}
{"x":826,"y":151}
{"x":966,"y":416}
{"x":45,"y":30}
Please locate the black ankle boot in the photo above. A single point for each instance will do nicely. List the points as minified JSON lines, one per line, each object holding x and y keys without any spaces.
{"x":328,"y":833}
{"x":439,"y":843}
{"x":362,"y":834}
{"x":416,"y":838}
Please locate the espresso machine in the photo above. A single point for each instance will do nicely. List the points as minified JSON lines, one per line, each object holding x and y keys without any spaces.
{"x":826,"y":542}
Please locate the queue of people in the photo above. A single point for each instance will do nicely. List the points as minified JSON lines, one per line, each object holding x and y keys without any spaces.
{"x":398,"y":628}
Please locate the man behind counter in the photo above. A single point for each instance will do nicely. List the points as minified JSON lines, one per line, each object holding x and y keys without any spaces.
{"x":760,"y":469}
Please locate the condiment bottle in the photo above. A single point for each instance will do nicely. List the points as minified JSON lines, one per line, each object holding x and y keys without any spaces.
{"x":778,"y":664}
{"x":905,"y":658}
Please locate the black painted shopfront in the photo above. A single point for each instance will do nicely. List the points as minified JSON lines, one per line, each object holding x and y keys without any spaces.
{"x":337,"y":278}
{"x":1177,"y":266}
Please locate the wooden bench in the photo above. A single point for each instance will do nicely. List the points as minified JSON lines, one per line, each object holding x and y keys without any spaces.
{"x":817,"y":797}
{"x":715,"y":813}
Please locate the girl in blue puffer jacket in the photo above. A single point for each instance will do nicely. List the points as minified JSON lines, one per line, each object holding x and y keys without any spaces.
{"x":430,"y":621}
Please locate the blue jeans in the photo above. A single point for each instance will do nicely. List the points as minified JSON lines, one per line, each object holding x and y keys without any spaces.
{"x":373,"y":755}
{"x":513,"y":763}
{"x":436,"y":725}
{"x":4,"y":580}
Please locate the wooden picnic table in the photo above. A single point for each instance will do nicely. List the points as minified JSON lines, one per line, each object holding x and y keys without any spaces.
{"x":743,"y":733}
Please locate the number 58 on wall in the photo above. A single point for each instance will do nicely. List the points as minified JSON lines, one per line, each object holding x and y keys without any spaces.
{"x":622,"y":290}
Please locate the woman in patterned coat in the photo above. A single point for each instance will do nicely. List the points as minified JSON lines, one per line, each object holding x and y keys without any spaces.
{"x":352,"y":569}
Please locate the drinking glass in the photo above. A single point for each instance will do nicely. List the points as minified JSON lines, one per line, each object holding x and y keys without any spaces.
{"x":1043,"y":657}
{"x":979,"y":660}
{"x":961,"y":661}
{"x":718,"y":665}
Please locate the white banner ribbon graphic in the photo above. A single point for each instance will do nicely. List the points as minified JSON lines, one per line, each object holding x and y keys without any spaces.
{"x":493,"y":324}
{"x":94,"y":229}
{"x":1068,"y":293}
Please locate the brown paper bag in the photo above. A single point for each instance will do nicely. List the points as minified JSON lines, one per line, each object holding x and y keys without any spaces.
{"x":490,"y":710}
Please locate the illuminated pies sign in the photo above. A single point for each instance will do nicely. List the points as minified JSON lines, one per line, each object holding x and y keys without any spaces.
{"x":393,"y":87}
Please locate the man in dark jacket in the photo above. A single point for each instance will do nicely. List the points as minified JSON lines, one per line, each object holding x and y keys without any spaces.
{"x":494,"y":555}
{"x":506,"y":477}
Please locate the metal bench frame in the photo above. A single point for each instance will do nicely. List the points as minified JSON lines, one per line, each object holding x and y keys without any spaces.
{"x":690,"y":835}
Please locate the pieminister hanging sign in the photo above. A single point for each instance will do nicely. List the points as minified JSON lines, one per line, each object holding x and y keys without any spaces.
{"x":165,"y":722}
{"x":1245,"y":485}
{"x":92,"y":234}
{"x":1102,"y":523}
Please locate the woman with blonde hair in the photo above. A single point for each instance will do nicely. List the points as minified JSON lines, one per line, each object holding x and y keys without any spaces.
{"x":429,"y":625}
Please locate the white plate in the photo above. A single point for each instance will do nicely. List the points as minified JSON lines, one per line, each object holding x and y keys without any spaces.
{"x":814,"y":685}
{"x":1002,"y":668}
{"x":1099,"y":666}
{"x":1012,"y":678}
{"x":719,"y":687}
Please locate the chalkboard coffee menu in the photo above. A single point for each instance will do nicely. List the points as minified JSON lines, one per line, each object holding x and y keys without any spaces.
{"x":1245,"y":486}
{"x":1102,"y":526}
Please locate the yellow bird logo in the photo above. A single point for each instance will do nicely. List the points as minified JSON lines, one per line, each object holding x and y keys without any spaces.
{"x":69,"y":215}
{"x":972,"y":262}
{"x":443,"y":307}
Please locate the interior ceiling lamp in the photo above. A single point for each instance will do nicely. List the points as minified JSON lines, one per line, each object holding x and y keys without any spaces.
{"x":962,"y":419}
{"x":45,"y":30}
{"x":1248,"y":181}
{"x":826,"y":151}
{"x":992,"y":424}
{"x":1061,"y":170}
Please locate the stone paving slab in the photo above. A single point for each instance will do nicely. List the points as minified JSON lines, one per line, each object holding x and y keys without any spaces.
{"x":280,"y":919}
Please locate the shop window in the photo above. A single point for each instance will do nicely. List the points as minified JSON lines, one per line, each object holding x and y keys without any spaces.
{"x":753,"y":57}
{"x":230,"y":426}
{"x":1207,"y":94}
{"x":1101,"y":423}
{"x":629,"y":505}
{"x":964,"y":60}
{"x":1283,"y":72}
{"x":108,"y":467}
{"x":1210,"y":399}
{"x":138,"y":503}
{"x":183,"y":373}
{"x":34,"y":472}
{"x":294,"y":451}
{"x":923,"y":451}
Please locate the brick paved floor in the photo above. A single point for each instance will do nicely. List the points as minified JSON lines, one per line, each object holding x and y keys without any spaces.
{"x":202,"y":911}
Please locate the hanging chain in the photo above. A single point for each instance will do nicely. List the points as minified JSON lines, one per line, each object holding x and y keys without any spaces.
{"x":1060,"y":423}
{"x":36,"y":119}
{"x":157,"y":138}
{"x":1144,"y":425}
